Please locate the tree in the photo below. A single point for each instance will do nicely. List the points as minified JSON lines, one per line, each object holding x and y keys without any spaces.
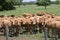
{"x":44,"y":3}
{"x":6,"y":5}
{"x":17,"y":2}
{"x":20,"y":2}
{"x":58,"y":2}
{"x":1,"y":3}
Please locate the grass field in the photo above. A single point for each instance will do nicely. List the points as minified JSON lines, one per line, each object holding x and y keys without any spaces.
{"x":30,"y":9}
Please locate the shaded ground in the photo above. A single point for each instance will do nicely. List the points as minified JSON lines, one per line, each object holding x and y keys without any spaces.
{"x":25,"y":37}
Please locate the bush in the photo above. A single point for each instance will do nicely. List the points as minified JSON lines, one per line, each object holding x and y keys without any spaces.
{"x":7,"y":6}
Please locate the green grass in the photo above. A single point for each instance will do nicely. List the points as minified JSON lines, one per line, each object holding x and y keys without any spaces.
{"x":32,"y":9}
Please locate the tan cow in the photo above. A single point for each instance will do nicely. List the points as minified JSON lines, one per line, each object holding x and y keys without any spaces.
{"x":40,"y":13}
{"x":27,"y":15}
{"x":33,"y":23}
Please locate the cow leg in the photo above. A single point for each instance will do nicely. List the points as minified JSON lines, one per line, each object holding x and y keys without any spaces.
{"x":14,"y":30}
{"x":20,"y":30}
{"x":25,"y":28}
{"x":17,"y":31}
{"x":52,"y":36}
{"x":35,"y":29}
{"x":11,"y":32}
{"x":48,"y":31}
{"x":58,"y":33}
{"x":4,"y":31}
{"x":30,"y":29}
{"x":55,"y":35}
{"x":40,"y":28}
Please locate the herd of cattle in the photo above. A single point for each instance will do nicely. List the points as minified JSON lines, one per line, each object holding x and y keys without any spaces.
{"x":31,"y":23}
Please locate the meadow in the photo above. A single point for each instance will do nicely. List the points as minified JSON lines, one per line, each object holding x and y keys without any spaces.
{"x":32,"y":9}
{"x":29,"y":9}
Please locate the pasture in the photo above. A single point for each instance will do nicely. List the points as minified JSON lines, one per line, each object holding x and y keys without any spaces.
{"x":30,"y":9}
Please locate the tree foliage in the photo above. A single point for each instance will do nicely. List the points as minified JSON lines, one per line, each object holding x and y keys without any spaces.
{"x":57,"y":1}
{"x":29,"y":3}
{"x":8,"y":4}
{"x":43,"y":2}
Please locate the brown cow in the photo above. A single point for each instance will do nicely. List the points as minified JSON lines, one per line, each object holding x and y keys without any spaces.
{"x":27,"y":15}
{"x":40,"y":13}
{"x":34,"y":24}
{"x":26,"y":22}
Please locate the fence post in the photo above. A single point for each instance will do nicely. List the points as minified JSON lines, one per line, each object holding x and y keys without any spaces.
{"x":45,"y":33}
{"x":6,"y":28}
